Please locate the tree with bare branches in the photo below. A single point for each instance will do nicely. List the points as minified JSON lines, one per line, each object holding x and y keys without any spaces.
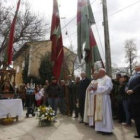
{"x":68,"y":62}
{"x":29,"y":27}
{"x":131,"y":54}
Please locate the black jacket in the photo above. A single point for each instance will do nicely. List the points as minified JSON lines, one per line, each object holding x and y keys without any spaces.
{"x":53,"y":90}
{"x":122,"y":94}
{"x":70,"y":88}
{"x":76,"y":90}
{"x":134,"y":84}
{"x":62,"y":92}
{"x":83,"y":86}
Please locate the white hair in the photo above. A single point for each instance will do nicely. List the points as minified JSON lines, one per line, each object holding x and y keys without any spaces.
{"x":102,"y":69}
{"x":83,"y":72}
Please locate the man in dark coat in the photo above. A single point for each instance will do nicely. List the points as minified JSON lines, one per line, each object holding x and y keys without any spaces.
{"x":70,"y":88}
{"x":76,"y":96}
{"x":133,"y":89}
{"x":62,"y":97}
{"x":83,"y":86}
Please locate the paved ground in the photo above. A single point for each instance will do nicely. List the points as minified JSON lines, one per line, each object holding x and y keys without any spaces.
{"x":65,"y":128}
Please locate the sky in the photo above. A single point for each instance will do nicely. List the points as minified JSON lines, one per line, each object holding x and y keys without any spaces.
{"x":123,"y":24}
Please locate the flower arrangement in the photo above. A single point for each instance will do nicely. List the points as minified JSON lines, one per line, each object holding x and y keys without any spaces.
{"x":45,"y":115}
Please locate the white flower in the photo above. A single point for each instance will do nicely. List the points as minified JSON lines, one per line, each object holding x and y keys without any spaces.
{"x":49,"y":108}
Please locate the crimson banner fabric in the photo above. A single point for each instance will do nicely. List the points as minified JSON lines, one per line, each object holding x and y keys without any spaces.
{"x":57,"y":53}
{"x":9,"y":51}
{"x":85,"y":40}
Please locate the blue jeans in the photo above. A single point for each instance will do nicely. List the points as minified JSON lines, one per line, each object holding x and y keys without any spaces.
{"x":53,"y":102}
{"x":126,"y":105}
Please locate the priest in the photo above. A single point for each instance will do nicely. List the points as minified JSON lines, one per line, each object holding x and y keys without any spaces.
{"x":90,"y":101}
{"x":103,"y":112}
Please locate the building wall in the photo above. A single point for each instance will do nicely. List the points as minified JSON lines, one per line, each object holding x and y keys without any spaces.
{"x":35,"y":51}
{"x":18,"y":66}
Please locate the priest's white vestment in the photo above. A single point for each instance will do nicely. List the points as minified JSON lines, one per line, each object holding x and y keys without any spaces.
{"x":89,"y":104}
{"x":103,"y":112}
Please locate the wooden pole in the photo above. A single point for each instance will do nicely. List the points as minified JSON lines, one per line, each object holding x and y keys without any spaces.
{"x":107,"y":41}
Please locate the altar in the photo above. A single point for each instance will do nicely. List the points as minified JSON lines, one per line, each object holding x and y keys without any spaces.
{"x":11,"y":107}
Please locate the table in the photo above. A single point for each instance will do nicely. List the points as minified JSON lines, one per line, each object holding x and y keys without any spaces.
{"x":11,"y":107}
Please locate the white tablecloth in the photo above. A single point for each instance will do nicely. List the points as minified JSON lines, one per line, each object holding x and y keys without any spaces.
{"x":13,"y":107}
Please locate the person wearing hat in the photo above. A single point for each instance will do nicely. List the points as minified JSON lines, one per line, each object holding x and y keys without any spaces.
{"x":124,"y":108}
{"x":53,"y":92}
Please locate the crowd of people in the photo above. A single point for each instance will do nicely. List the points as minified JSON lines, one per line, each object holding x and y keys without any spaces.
{"x":97,"y":102}
{"x":126,"y":99}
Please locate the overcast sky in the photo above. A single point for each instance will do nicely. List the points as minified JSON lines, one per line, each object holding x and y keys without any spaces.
{"x":122,"y":25}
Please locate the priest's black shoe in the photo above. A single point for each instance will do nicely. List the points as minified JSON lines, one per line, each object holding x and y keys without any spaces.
{"x":107,"y":133}
{"x":138,"y":136}
{"x":75,"y":117}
